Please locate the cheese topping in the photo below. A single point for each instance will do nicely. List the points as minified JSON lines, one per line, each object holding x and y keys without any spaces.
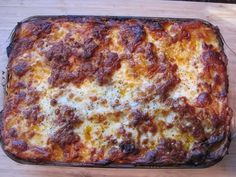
{"x":122,"y":91}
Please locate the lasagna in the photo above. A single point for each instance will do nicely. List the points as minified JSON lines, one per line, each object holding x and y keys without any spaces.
{"x":110,"y":91}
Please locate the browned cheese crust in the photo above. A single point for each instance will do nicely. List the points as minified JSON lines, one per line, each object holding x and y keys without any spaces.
{"x":93,"y":90}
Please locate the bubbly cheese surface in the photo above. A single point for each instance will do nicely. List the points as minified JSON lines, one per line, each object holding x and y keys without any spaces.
{"x":107,"y":91}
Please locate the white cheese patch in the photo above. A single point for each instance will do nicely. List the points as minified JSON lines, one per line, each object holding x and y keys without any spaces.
{"x":188,"y":74}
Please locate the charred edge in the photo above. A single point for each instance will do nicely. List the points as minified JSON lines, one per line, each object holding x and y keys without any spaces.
{"x":107,"y":17}
{"x":213,"y":157}
{"x":12,"y":37}
{"x":222,"y":41}
{"x":109,"y":164}
{"x":205,"y":154}
{"x":120,"y":18}
{"x":1,"y":125}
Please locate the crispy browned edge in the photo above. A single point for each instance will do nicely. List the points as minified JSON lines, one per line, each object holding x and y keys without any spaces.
{"x":223,"y":148}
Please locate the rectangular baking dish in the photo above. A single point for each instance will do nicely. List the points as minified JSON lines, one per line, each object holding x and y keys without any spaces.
{"x":222,"y":142}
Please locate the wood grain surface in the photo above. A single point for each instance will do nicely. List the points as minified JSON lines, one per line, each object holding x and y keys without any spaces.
{"x":222,"y":15}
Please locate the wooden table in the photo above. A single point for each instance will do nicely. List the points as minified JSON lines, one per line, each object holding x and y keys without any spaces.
{"x":222,"y":15}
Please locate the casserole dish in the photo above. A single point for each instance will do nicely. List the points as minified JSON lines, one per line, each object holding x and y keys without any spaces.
{"x":116,"y":92}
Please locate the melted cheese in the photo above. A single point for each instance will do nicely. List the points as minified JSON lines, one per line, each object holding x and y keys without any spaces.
{"x":121,"y":96}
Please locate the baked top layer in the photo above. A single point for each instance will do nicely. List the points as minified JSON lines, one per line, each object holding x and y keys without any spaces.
{"x":100,"y":90}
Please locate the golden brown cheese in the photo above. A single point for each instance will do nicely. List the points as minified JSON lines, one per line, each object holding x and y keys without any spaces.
{"x":116,"y":91}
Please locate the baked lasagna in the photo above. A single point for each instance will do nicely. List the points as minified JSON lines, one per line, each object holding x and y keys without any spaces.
{"x":110,"y":91}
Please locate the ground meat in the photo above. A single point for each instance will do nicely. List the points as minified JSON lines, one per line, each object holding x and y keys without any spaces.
{"x":32,"y":96}
{"x":89,"y":48}
{"x":66,"y":115}
{"x":212,"y":58}
{"x":33,"y":115}
{"x":53,"y":102}
{"x":152,"y":58}
{"x":40,"y":153}
{"x":60,"y":76}
{"x":115,"y":154}
{"x":162,"y":89}
{"x":20,"y":85}
{"x":138,"y":118}
{"x":204,"y":99}
{"x":131,"y":35}
{"x":86,"y":70}
{"x":191,"y":125}
{"x":154,"y":26}
{"x":20,"y":145}
{"x":13,"y":102}
{"x":108,"y":65}
{"x":12,"y":132}
{"x":170,"y":151}
{"x":20,"y":96}
{"x":99,"y":31}
{"x":41,"y":28}
{"x":65,"y":136}
{"x":217,"y":120}
{"x":19,"y":46}
{"x":61,"y":71}
{"x":127,"y":147}
{"x":21,"y":68}
{"x":181,"y":106}
{"x":59,"y":52}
